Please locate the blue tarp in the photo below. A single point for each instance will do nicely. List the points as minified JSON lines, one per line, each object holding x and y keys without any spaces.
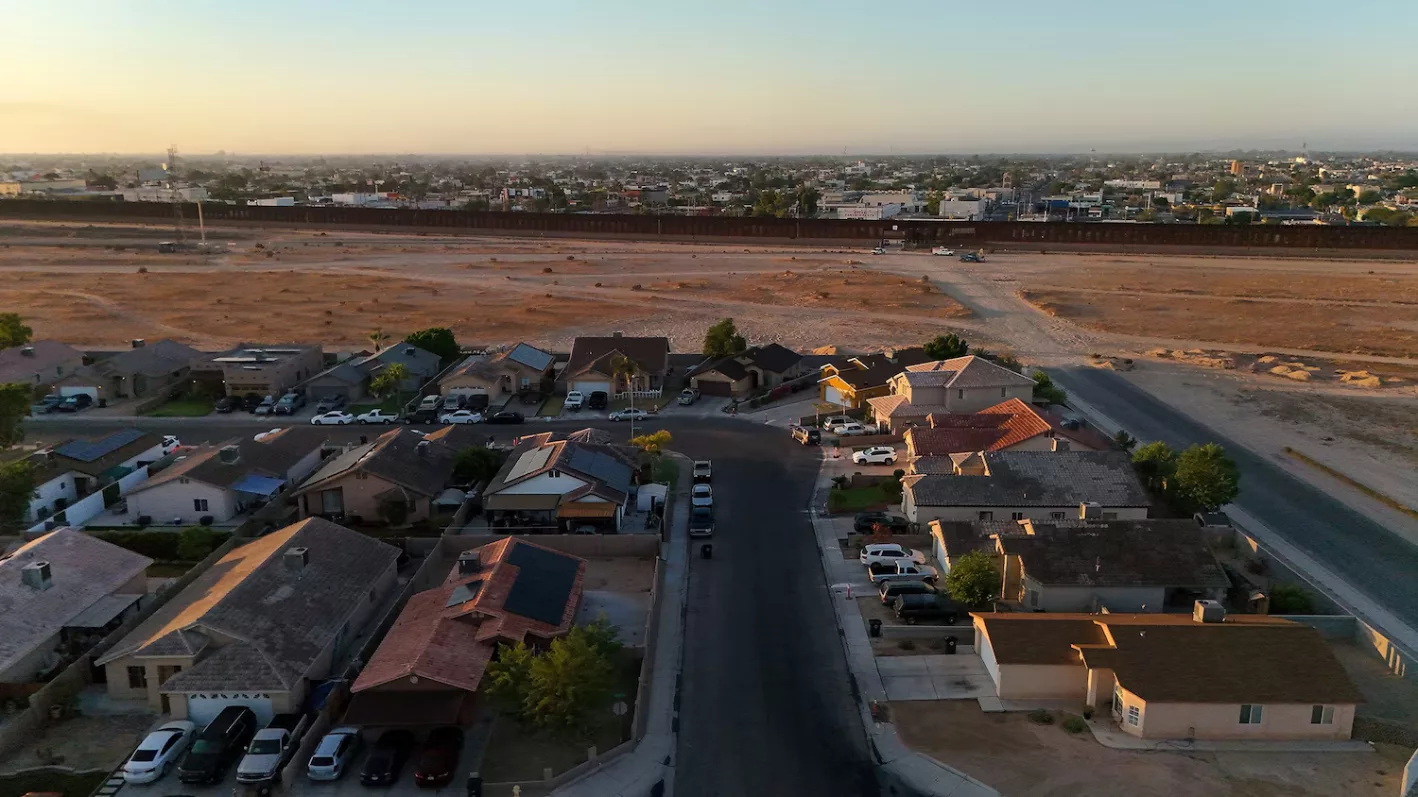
{"x":258,"y":485}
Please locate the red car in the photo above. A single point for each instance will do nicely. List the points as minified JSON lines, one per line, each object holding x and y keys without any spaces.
{"x":438,"y":757}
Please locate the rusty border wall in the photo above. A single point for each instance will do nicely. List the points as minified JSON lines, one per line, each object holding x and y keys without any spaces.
{"x":916,"y":233}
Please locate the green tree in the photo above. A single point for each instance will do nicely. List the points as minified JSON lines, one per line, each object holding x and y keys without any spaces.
{"x":479,"y":464}
{"x":652,"y":443}
{"x":1206,"y":478}
{"x":723,"y":339}
{"x":509,"y":677}
{"x":946,"y":347}
{"x":377,"y":338}
{"x":13,"y":331}
{"x":1155,"y":463}
{"x":563,"y":689}
{"x":14,"y":406}
{"x":973,"y":580}
{"x":17,"y":486}
{"x":1046,"y":391}
{"x":1124,"y":440}
{"x":390,"y":381}
{"x":436,"y":340}
{"x":1369,"y":197}
{"x":806,"y":200}
{"x":1291,"y":599}
{"x":196,"y":542}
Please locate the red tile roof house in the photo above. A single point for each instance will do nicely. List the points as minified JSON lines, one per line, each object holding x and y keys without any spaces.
{"x":429,"y":667}
{"x":1011,"y":425}
{"x":960,"y":385}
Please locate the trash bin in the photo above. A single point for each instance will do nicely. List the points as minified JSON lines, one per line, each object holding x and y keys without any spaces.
{"x":950,"y":646}
{"x":875,"y":626}
{"x":103,"y":402}
{"x":475,"y":785}
{"x":706,"y":551}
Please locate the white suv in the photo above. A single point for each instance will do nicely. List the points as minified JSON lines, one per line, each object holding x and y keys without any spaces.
{"x":887,"y":552}
{"x":876,"y":455}
{"x":850,"y":429}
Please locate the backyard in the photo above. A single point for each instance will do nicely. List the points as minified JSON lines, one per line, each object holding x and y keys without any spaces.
{"x":860,"y":495}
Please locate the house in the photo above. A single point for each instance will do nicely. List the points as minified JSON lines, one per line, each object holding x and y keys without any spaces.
{"x":77,"y":468}
{"x":262,"y":370}
{"x":1011,"y":425}
{"x":63,"y":590}
{"x":147,"y":369}
{"x":1168,"y":676}
{"x":422,"y":364}
{"x":849,"y":383}
{"x":259,"y":626}
{"x":593,"y":364}
{"x":1117,"y":565}
{"x":1015,"y":485}
{"x":343,"y":380}
{"x":555,"y":486}
{"x":400,"y":466}
{"x":428,"y":668}
{"x":226,"y":480}
{"x":41,"y":362}
{"x":961,"y":385}
{"x":755,"y":369}
{"x":522,"y":368}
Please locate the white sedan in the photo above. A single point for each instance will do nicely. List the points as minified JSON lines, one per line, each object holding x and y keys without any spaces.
{"x":876,"y":455}
{"x":702,"y":495}
{"x":333,"y":418}
{"x":942,"y":250}
{"x":628,"y":415}
{"x":378,"y":416}
{"x":158,"y":752}
{"x":462,"y":416}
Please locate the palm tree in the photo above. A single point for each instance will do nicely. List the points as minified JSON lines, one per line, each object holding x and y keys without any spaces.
{"x":624,"y":367}
{"x":378,"y":337}
{"x":390,"y":382}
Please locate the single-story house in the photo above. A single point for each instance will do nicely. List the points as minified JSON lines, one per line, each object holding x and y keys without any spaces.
{"x":63,"y":590}
{"x":400,"y":466}
{"x":1011,"y":425}
{"x":1175,"y":676}
{"x":262,"y":369}
{"x":756,"y":369}
{"x":428,"y":668}
{"x":850,"y":382}
{"x":226,"y":480}
{"x":423,"y":364}
{"x":961,"y":385}
{"x":41,"y":362}
{"x":344,"y":380}
{"x":522,"y":368}
{"x":555,"y":486}
{"x":147,"y":369}
{"x":593,"y":360}
{"x":259,"y":626}
{"x":80,"y":467}
{"x":1015,"y":485}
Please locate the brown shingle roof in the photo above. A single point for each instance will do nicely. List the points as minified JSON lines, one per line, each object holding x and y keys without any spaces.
{"x":651,"y":354}
{"x":1120,"y":553}
{"x":272,"y":455}
{"x":1030,"y":638}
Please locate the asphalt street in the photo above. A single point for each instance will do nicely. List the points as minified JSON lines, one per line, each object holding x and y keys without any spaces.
{"x":765,"y":699}
{"x":1372,"y":559}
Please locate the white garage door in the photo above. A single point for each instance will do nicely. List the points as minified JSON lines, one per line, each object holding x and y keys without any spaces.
{"x":587,"y":388}
{"x":833,"y":396}
{"x":465,"y":391}
{"x":74,"y":391}
{"x":204,"y":708}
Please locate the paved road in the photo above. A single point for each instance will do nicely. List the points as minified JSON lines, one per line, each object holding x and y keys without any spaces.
{"x":1375,"y":561}
{"x":765,"y":699}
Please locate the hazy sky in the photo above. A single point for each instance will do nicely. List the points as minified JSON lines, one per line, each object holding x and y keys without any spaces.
{"x":674,"y":76}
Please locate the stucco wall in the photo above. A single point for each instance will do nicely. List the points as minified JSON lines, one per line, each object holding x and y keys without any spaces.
{"x":174,"y":499}
{"x":1222,"y":721}
{"x":359,"y":498}
{"x":925,"y":514}
{"x":1043,"y":681}
{"x":1081,"y":599}
{"x":58,"y":487}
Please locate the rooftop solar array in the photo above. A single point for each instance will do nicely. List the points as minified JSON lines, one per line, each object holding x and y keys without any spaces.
{"x":90,"y":450}
{"x":464,"y":593}
{"x":543,"y":583}
{"x":530,"y":461}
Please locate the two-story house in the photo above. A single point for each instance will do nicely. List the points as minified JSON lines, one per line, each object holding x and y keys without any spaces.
{"x":851,"y":382}
{"x":1011,"y":425}
{"x":962,"y":385}
{"x":552,"y":487}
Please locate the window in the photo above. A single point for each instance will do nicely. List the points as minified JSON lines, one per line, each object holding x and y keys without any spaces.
{"x":1056,"y":516}
{"x":1002,"y":392}
{"x":332,"y":502}
{"x":1134,"y":715}
{"x":987,"y":515}
{"x":1016,"y":515}
{"x":1250,"y":715}
{"x":199,"y":504}
{"x":1034,"y":598}
{"x":184,"y":480}
{"x":137,"y":677}
{"x":960,"y":394}
{"x":1322,"y":715}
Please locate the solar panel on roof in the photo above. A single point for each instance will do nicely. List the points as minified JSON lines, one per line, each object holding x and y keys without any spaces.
{"x":90,"y":450}
{"x":464,"y":593}
{"x":543,"y":583}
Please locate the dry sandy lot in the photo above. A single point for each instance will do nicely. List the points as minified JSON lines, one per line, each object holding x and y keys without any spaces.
{"x":1022,"y":759}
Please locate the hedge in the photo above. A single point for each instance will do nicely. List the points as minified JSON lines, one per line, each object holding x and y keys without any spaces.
{"x":168,"y":546}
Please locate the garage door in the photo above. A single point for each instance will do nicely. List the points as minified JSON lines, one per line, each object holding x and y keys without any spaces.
{"x":588,"y":388}
{"x":465,"y":391}
{"x":833,"y":396}
{"x":92,"y":392}
{"x":203,"y":708}
{"x":711,"y":387}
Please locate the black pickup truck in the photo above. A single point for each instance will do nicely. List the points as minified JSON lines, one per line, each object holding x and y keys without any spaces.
{"x":701,"y":521}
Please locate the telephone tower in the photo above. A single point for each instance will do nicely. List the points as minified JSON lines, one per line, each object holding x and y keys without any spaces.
{"x":177,"y":220}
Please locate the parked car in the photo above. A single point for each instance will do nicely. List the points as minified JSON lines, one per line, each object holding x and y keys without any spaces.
{"x":438,"y":757}
{"x":226,"y":404}
{"x":912,"y":608}
{"x":807,"y":435}
{"x":333,"y":418}
{"x":461,"y":416}
{"x":891,"y":590}
{"x":266,"y":407}
{"x":270,"y":749}
{"x":703,"y":470}
{"x":864,"y":522}
{"x":629,"y":415}
{"x":434,"y":402}
{"x":688,"y":396}
{"x":901,"y":571}
{"x":158,"y":752}
{"x":830,"y":424}
{"x":170,"y":443}
{"x":701,"y":521}
{"x":598,"y":400}
{"x":574,"y":401}
{"x":49,"y":403}
{"x":876,"y":455}
{"x":218,"y":745}
{"x":943,"y":250}
{"x":506,"y":416}
{"x":250,"y":402}
{"x":971,"y":257}
{"x":473,"y":401}
{"x":851,"y":429}
{"x":387,"y":758}
{"x":422,"y":416}
{"x":877,"y":553}
{"x":880,"y":250}
{"x":285,"y":405}
{"x":328,"y":404}
{"x":377,"y":415}
{"x":74,"y":403}
{"x":334,"y":753}
{"x":701,"y":495}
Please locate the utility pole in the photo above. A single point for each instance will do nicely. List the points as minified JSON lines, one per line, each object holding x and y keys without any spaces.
{"x":177,"y":221}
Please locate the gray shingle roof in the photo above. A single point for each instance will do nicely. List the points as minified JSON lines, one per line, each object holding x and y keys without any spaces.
{"x":44,"y":356}
{"x":158,"y":358}
{"x":395,"y":457}
{"x":1036,"y":478}
{"x":273,"y":455}
{"x":1151,"y":553}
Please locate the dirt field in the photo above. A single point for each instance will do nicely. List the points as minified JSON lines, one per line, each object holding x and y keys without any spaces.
{"x":1022,"y":759}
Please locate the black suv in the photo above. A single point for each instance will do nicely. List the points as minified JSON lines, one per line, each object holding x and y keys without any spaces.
{"x":866,"y":521}
{"x":926,"y":606}
{"x":598,"y":400}
{"x":223,"y":741}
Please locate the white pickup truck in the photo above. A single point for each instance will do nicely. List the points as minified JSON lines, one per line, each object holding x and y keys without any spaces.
{"x":897,"y":571}
{"x":574,"y":400}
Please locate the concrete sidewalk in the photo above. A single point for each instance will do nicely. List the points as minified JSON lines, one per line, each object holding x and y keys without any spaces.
{"x":652,"y":761}
{"x":898,"y":764}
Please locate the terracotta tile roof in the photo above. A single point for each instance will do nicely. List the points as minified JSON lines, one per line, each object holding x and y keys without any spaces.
{"x":995,"y":428}
{"x":924,"y":442}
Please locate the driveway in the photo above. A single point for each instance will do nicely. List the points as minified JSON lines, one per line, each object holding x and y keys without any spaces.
{"x":943,"y":677}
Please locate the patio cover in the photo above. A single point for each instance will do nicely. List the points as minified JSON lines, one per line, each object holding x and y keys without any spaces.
{"x":258,"y":485}
{"x":592,"y":509}
{"x":102,"y":612}
{"x":515,"y":501}
{"x":407,"y":707}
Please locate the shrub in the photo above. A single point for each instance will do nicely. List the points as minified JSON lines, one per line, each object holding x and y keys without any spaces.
{"x":637,"y":287}
{"x":142,"y":269}
{"x":1075,"y":725}
{"x":546,"y":270}
{"x":571,"y":257}
{"x":898,"y":474}
{"x":1088,"y":712}
{"x":1041,"y":716}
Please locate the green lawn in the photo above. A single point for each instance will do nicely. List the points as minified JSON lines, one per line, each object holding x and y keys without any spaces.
{"x":552,"y":406}
{"x":182,"y":407}
{"x":665,"y":470}
{"x":857,"y":499}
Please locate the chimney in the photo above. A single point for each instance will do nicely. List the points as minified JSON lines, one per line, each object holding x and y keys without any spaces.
{"x":469,"y":562}
{"x":1090,"y":510}
{"x":229,"y":454}
{"x":27,"y":351}
{"x":36,"y":575}
{"x":422,"y":448}
{"x":1208,"y":612}
{"x":1060,"y":445}
{"x":296,"y":558}
{"x":138,"y":343}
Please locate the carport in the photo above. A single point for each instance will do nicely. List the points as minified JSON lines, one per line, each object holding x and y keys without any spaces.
{"x":599,"y":514}
{"x":423,"y":704}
